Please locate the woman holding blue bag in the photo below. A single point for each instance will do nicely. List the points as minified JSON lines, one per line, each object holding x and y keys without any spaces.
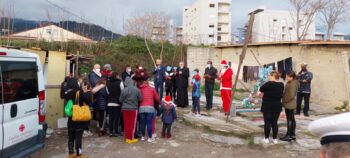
{"x":75,"y":129}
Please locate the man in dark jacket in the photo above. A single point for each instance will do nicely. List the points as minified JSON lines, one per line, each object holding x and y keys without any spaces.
{"x":159,"y":76}
{"x":94,"y":75}
{"x":127,"y":72}
{"x":304,"y":92}
{"x":210,"y":76}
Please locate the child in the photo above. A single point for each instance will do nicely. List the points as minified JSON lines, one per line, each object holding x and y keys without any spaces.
{"x":130,"y":98}
{"x":196,"y":94}
{"x":168,"y":112}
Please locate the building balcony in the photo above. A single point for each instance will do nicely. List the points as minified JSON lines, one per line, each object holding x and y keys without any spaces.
{"x":223,"y":21}
{"x":223,"y":32}
{"x":224,"y":2}
{"x":224,"y":11}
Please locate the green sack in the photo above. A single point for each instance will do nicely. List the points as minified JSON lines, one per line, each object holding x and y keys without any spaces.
{"x":68,"y":109}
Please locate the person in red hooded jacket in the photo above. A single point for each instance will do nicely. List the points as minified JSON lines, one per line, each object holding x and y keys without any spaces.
{"x":225,"y":75}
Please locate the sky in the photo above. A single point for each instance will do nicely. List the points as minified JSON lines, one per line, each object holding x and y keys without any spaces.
{"x":111,"y":13}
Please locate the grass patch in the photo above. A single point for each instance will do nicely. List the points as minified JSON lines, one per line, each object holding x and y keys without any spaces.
{"x":250,"y":140}
{"x":310,"y":134}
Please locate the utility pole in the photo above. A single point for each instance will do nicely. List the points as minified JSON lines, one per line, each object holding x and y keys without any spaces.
{"x":241,"y":59}
{"x":77,"y":64}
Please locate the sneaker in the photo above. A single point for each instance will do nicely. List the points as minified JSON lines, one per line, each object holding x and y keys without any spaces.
{"x":81,"y":156}
{"x":154,"y":135}
{"x":90,"y":134}
{"x":151,"y":140}
{"x":134,"y":141}
{"x":72,"y":155}
{"x":266,"y":141}
{"x":85,"y":134}
{"x":275,"y":141}
{"x":197,"y":115}
{"x":143,"y":138}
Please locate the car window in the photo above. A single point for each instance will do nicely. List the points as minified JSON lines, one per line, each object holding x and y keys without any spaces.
{"x":19,"y":81}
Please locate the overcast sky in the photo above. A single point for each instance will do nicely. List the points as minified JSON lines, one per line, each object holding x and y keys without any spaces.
{"x":103,"y":12}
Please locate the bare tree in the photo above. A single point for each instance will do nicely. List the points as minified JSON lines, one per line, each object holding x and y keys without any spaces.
{"x":304,"y":15}
{"x":335,"y":12}
{"x":150,"y":25}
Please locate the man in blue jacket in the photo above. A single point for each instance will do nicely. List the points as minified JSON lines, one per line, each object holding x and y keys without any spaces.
{"x":159,"y":77}
{"x":304,"y":92}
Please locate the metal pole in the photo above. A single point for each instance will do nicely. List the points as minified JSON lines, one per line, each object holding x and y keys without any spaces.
{"x":241,"y":59}
{"x":347,"y":75}
{"x":77,"y":64}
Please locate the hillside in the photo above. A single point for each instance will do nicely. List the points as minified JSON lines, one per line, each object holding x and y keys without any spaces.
{"x":92,"y":31}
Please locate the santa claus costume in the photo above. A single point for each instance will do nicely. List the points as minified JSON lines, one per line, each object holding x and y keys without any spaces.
{"x":226,"y":85}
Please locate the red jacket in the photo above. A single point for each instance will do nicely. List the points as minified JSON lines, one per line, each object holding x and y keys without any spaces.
{"x":226,"y":79}
{"x":149,"y":95}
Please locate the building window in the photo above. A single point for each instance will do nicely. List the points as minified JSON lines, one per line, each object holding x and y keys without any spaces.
{"x":290,"y":28}
{"x":274,"y":20}
{"x":48,"y":31}
{"x":212,"y":5}
{"x":211,"y":26}
{"x":186,"y":9}
{"x":219,"y":28}
{"x":219,"y":38}
{"x":211,"y":36}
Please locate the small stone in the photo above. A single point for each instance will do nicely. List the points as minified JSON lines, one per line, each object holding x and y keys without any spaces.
{"x":160,"y":151}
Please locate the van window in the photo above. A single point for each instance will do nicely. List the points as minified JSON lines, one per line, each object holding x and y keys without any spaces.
{"x":19,"y":81}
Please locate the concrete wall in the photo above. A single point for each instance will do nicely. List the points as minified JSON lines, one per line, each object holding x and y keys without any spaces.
{"x":328,"y":85}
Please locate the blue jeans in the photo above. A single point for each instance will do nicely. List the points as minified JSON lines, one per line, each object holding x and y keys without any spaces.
{"x":195,"y":104}
{"x":159,"y":88}
{"x":146,"y":119}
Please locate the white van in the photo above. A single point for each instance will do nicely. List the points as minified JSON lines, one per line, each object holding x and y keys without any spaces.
{"x":22,"y":104}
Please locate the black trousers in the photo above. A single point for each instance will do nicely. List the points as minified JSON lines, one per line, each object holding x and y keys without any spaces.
{"x":114,"y":113}
{"x":209,"y":88}
{"x":271,"y":120}
{"x":101,"y":118}
{"x":166,"y":128}
{"x":291,"y":124}
{"x":174,"y":93}
{"x":75,"y":135}
{"x":169,"y":91}
{"x":306,"y":97}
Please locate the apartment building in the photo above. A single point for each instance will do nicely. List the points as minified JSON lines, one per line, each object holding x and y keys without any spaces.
{"x":207,"y":22}
{"x":277,"y":26}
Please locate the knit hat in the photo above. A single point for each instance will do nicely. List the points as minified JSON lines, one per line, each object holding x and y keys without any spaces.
{"x":223,"y":62}
{"x":107,"y":66}
{"x":167,"y":99}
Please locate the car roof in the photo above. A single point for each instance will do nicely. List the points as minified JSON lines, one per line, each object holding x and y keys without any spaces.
{"x":17,"y":53}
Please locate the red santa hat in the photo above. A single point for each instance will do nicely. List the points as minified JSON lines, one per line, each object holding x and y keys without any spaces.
{"x":223,"y":62}
{"x":167,"y":99}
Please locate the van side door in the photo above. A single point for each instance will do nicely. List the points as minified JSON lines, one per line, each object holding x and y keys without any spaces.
{"x":20,"y":104}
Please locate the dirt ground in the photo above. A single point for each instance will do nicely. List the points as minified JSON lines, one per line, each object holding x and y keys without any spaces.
{"x":186,"y":143}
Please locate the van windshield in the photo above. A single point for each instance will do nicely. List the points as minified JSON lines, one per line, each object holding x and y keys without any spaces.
{"x":19,"y":81}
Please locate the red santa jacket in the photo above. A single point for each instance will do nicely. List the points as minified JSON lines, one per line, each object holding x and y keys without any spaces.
{"x":226,"y":79}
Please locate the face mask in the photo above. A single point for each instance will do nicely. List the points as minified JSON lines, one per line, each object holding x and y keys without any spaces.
{"x":208,"y":65}
{"x":97,"y":70}
{"x":140,"y":68}
{"x":194,"y":73}
{"x":128,"y":70}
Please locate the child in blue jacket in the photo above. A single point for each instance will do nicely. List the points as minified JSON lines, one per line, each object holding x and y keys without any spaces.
{"x":196,"y":92}
{"x":168,"y":112}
